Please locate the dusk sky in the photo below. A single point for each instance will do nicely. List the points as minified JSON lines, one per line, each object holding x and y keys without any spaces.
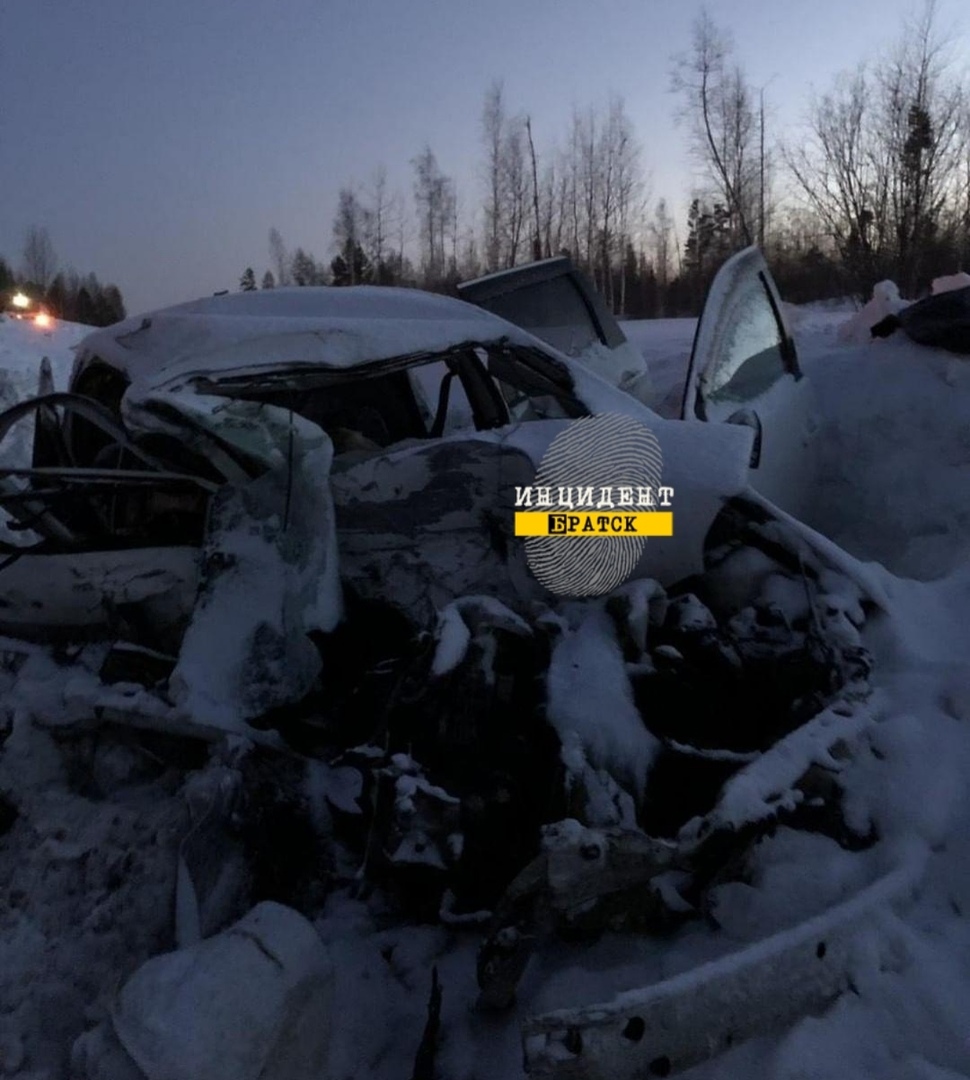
{"x":159,"y":142}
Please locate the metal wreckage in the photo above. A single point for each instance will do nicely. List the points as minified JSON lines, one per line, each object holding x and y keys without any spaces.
{"x":280,"y":523}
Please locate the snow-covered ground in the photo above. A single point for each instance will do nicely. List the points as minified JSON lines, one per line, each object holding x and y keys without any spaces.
{"x":85,"y":885}
{"x":893,"y":444}
{"x":665,"y":345}
{"x":894,"y":452}
{"x":23,"y":345}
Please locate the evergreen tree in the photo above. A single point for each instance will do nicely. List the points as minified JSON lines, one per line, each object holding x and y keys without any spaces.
{"x":39,"y":260}
{"x":84,"y":309}
{"x":303,"y":269}
{"x":58,"y":300}
{"x":247,"y":283}
{"x":709,"y":232}
{"x":114,"y":304}
{"x":103,"y":315}
{"x":351,"y":266}
{"x":269,"y":282}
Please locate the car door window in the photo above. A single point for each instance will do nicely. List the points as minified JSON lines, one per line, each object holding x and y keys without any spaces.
{"x":359,"y":414}
{"x":427,"y":381}
{"x":751,"y":357}
{"x":458,"y":394}
{"x":744,"y":371}
{"x":553,"y":311}
{"x":553,"y":300}
{"x":530,"y":391}
{"x":742,"y":346}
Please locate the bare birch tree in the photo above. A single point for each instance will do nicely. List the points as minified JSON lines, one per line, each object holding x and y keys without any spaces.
{"x":493,"y":132}
{"x":922,"y":117}
{"x":435,"y":202}
{"x":661,"y":239}
{"x":881,"y":160}
{"x":382,"y":213}
{"x":717,"y":106}
{"x":507,"y":181}
{"x":620,"y":200}
{"x":537,"y":249}
{"x":279,"y":257}
{"x":349,"y":228}
{"x":39,"y":263}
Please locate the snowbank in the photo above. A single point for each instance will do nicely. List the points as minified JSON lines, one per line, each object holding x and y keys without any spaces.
{"x":885,"y":301}
{"x":894,"y":449}
{"x":22,"y":347}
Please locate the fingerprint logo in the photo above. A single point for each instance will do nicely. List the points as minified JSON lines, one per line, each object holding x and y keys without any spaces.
{"x":607,"y":451}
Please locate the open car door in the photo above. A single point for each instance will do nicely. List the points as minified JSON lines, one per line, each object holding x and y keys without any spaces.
{"x":557,"y":302}
{"x":744,"y":370}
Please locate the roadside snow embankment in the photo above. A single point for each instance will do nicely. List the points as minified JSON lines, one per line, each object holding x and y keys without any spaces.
{"x":23,"y":345}
{"x":894,"y":453}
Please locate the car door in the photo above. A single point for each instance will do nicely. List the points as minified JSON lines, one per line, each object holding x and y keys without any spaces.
{"x":557,"y":302}
{"x":744,"y":369}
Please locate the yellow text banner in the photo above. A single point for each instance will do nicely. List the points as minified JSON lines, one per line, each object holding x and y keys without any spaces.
{"x":594,"y":523}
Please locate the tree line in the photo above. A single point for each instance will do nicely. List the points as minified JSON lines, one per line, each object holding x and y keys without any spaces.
{"x":875,"y":183}
{"x":65,"y":293}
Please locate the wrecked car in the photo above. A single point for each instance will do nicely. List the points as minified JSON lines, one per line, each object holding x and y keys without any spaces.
{"x":287,"y":516}
{"x":405,"y":387}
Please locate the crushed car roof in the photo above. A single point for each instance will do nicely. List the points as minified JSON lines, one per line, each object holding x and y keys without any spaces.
{"x":316,"y":326}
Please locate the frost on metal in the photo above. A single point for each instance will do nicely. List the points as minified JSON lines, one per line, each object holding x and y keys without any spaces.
{"x":425,"y":525}
{"x":270,"y":579}
{"x":668,"y":1027}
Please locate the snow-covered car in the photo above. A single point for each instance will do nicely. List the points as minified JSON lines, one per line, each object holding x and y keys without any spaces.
{"x":374,"y":439}
{"x":401,"y":382}
{"x":286,"y":516}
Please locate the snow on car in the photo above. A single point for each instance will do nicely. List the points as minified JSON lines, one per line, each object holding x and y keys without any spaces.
{"x":284,"y":517}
